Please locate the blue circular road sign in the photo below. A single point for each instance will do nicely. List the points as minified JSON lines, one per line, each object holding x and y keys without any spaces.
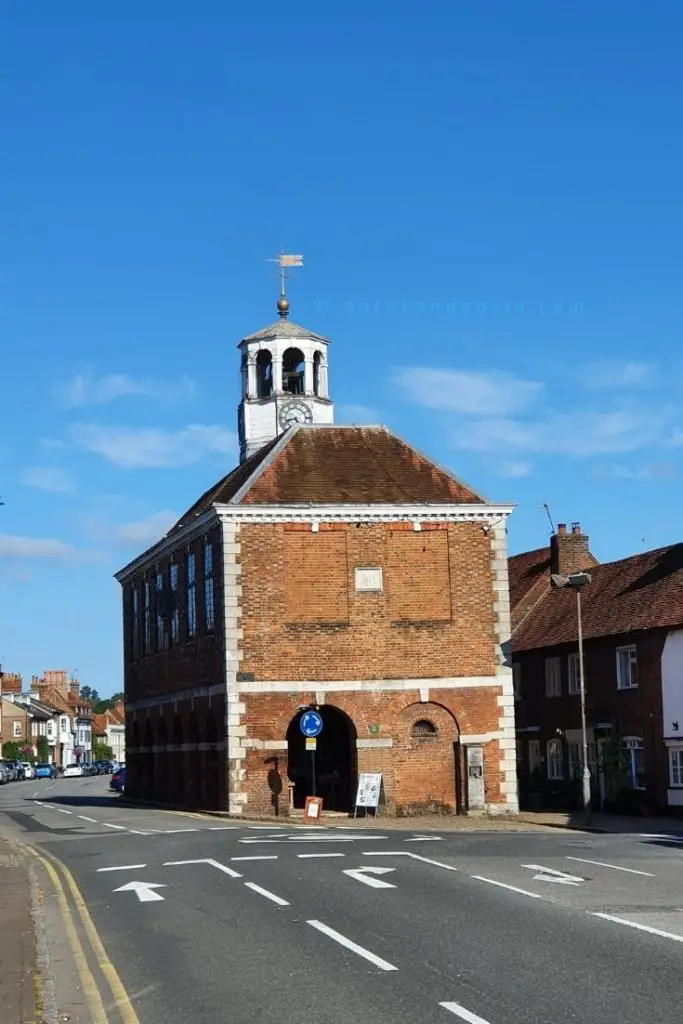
{"x":311,"y":724}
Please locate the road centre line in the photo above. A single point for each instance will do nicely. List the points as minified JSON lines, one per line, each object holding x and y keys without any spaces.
{"x":466,"y":1015}
{"x":383,"y":965}
{"x":83,"y":817}
{"x":615,"y":867}
{"x":177,"y":831}
{"x":124,"y":867}
{"x":639,"y":927}
{"x":120,"y":828}
{"x":503,"y":885}
{"x":61,"y":810}
{"x":269,"y":895}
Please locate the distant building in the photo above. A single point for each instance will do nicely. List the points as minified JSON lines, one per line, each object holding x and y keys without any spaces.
{"x":110,"y":728}
{"x":632,"y":615}
{"x":335,"y":567}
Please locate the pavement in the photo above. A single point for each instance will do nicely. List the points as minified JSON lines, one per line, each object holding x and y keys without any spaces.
{"x":186,"y":917}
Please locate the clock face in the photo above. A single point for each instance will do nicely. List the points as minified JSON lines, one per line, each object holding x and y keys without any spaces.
{"x":293,"y":413}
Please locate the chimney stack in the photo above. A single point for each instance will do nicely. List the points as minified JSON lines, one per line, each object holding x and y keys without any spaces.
{"x":569,"y":552}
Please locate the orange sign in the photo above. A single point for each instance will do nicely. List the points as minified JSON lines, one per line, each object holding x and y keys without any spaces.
{"x":314,"y":808}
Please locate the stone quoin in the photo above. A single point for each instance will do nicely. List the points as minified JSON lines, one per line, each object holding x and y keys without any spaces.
{"x":338,"y":568}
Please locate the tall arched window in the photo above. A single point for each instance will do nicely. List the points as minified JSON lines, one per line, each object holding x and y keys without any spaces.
{"x":317,"y":360}
{"x":264,"y":374}
{"x":293,"y":371}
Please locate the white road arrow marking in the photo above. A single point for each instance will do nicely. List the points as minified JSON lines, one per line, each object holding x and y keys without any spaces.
{"x":144,"y":891}
{"x":550,"y":875}
{"x":365,"y":875}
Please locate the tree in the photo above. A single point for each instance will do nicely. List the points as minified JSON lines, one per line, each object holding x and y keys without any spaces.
{"x":43,"y":748}
{"x":11,"y":750}
{"x":102,"y":752}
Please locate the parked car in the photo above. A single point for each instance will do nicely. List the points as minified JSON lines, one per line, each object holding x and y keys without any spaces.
{"x":118,"y":780}
{"x":4,"y":777}
{"x":28,"y":770}
{"x":46,"y":771}
{"x":20,"y":773}
{"x":73,"y":771}
{"x":11,"y":770}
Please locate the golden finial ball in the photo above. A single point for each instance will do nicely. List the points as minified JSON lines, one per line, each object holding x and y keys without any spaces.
{"x":283,"y":305}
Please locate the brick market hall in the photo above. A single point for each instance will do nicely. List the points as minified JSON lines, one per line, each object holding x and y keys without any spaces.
{"x":335,"y":568}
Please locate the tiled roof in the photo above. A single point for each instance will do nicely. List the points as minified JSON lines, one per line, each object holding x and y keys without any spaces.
{"x":222,"y":492}
{"x":284,"y":329}
{"x":335,"y":466}
{"x":525,"y":570}
{"x":51,"y":695}
{"x":644,"y":591}
{"x":352,"y":465}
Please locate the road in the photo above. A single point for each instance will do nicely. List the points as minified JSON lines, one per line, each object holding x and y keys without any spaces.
{"x":209,"y":920}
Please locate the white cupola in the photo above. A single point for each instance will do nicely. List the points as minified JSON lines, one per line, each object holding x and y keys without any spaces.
{"x":284,"y":381}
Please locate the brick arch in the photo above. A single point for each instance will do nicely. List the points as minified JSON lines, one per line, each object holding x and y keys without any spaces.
{"x":427,"y":770}
{"x":441,"y":717}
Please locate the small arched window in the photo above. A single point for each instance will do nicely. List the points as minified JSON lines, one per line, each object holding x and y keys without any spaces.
{"x":264,"y":374}
{"x":423,"y":730}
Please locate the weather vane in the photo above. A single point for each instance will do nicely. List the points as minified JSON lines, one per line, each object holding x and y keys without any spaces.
{"x":283,"y":261}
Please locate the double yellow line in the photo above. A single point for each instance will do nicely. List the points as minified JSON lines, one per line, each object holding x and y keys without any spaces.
{"x":60,"y":874}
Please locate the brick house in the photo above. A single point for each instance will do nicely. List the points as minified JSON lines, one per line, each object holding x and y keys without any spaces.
{"x":632,"y":616}
{"x":334,"y":567}
{"x":109,"y":727}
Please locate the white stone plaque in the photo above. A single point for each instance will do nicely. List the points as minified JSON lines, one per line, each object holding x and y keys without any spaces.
{"x":369,"y":580}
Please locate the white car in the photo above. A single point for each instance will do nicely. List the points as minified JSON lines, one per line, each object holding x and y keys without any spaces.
{"x":28,"y":769}
{"x":73,"y":771}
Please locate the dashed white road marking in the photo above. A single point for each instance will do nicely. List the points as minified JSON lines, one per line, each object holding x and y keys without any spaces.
{"x":413,"y":856}
{"x":177,"y":831}
{"x":222,"y":828}
{"x":383,"y":965}
{"x":269,"y":895}
{"x":83,"y":817}
{"x":124,"y":867}
{"x":61,"y":810}
{"x":615,"y":867}
{"x":316,"y":856}
{"x":120,"y":828}
{"x":206,"y":860}
{"x":639,"y":927}
{"x":269,"y":856}
{"x":504,"y":885}
{"x":425,"y":839}
{"x":466,"y":1015}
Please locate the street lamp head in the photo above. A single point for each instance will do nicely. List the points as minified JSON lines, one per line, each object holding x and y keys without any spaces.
{"x":576,"y":580}
{"x":579,"y":579}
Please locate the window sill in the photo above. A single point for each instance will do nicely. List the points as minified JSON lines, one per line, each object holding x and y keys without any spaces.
{"x":625,"y":689}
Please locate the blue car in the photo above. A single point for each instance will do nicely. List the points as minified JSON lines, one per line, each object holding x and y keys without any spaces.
{"x":46,"y":771}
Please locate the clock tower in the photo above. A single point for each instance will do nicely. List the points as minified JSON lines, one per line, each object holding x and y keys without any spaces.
{"x":284,"y":381}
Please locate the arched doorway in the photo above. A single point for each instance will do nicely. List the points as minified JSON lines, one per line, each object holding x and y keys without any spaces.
{"x":336,"y":761}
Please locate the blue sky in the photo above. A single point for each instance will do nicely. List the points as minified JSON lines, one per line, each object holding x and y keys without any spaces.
{"x":487,"y":197}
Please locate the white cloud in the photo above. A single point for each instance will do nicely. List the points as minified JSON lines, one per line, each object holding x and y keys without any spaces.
{"x":48,"y":478}
{"x":12,"y":546}
{"x":138,"y":448}
{"x":360,"y":414}
{"x":617,"y":376}
{"x":516,"y":469}
{"x":89,"y":389}
{"x":145,"y":531}
{"x":578,"y":433}
{"x":468,"y":393}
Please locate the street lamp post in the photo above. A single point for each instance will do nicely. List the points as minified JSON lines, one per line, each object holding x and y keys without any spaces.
{"x":576,"y":581}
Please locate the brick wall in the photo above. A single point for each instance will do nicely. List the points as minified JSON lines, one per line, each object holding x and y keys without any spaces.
{"x":303,"y":619}
{"x":633,"y":712}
